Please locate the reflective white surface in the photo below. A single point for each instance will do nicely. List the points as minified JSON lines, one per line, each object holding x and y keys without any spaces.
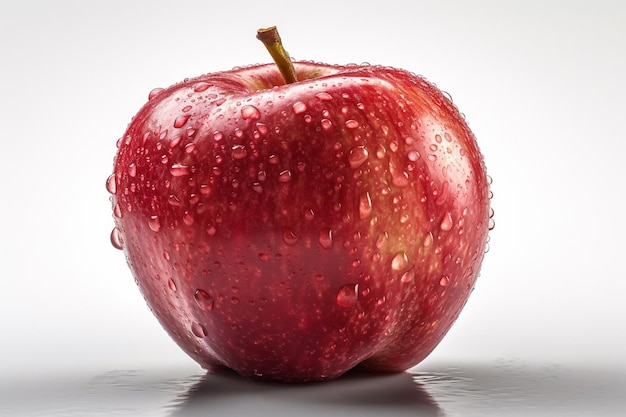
{"x":502,"y":388}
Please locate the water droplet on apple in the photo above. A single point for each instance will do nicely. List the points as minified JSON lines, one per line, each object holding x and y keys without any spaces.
{"x":178,"y":170}
{"x":154,"y":223}
{"x":326,"y":124}
{"x":324,"y":96}
{"x":181,"y":121}
{"x":201,"y":86}
{"x":432,"y":158}
{"x":400,"y":261}
{"x":264,"y":256}
{"x":204,"y":300}
{"x":299,"y":107}
{"x":132,"y":170}
{"x":189,"y":148}
{"x":172,"y":285}
{"x":289,"y":237}
{"x":239,"y":152}
{"x":188,"y":218}
{"x":365,"y":205}
{"x":263,"y":129}
{"x":155,"y":92}
{"x":381,"y":152}
{"x":408,"y":276}
{"x":111,"y":184}
{"x":446,"y":222}
{"x":249,"y":112}
{"x":413,"y":156}
{"x":357,"y":156}
{"x":326,"y":238}
{"x":351,"y":124}
{"x":443,"y":195}
{"x":273,"y":159}
{"x":347,"y":295}
{"x":116,"y":238}
{"x":117,"y":211}
{"x":284,"y":176}
{"x":428,"y":240}
{"x":444,"y":281}
{"x":399,"y":178}
{"x":198,"y":330}
{"x":218,"y":136}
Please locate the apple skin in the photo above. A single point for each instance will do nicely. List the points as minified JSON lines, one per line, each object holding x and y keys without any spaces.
{"x":294,"y":232}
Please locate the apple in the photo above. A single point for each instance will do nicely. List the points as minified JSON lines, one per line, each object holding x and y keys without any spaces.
{"x":294,"y":220}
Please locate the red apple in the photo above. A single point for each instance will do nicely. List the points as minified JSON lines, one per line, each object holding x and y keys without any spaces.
{"x":293,"y":231}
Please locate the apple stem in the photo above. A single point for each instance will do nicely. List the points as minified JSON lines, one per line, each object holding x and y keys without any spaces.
{"x":271,"y":40}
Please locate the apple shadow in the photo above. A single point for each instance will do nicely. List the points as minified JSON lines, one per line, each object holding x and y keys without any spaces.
{"x":353,"y":394}
{"x":500,"y":388}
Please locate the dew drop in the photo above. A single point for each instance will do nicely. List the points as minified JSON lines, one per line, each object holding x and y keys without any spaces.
{"x":351,"y":124}
{"x":264,"y":257}
{"x":204,"y":300}
{"x":239,"y":152}
{"x":289,"y":237}
{"x":365,"y":205}
{"x":399,"y":178}
{"x":111,"y":184}
{"x":299,"y":107}
{"x":171,"y":284}
{"x":178,"y":170}
{"x":284,"y":176}
{"x":443,"y":195}
{"x":413,"y":156}
{"x":381,"y":240}
{"x":155,"y":92}
{"x":201,"y":86}
{"x":189,"y":148}
{"x":326,"y":124}
{"x":218,"y":136}
{"x":446,"y":222}
{"x":132,"y":170}
{"x":428,"y":240}
{"x":117,"y":211}
{"x":491,"y":224}
{"x":324,"y":96}
{"x":188,"y":218}
{"x":181,"y":121}
{"x":154,"y":223}
{"x":263,"y":129}
{"x":347,"y":295}
{"x":381,"y":152}
{"x":116,"y":238}
{"x":400,"y":261}
{"x":357,"y":156}
{"x":249,"y":112}
{"x":326,"y":238}
{"x":185,"y":110}
{"x":444,"y":281}
{"x":408,"y":276}
{"x":198,"y":330}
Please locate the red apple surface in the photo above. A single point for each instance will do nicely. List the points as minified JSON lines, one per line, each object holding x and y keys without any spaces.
{"x":294,"y":231}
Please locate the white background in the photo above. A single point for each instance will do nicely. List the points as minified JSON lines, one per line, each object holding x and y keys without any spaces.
{"x":542,"y":84}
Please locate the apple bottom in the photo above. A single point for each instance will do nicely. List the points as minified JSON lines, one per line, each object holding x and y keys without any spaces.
{"x":293,"y":313}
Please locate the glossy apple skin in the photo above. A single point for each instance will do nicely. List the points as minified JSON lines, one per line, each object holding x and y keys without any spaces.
{"x":293,"y":232}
